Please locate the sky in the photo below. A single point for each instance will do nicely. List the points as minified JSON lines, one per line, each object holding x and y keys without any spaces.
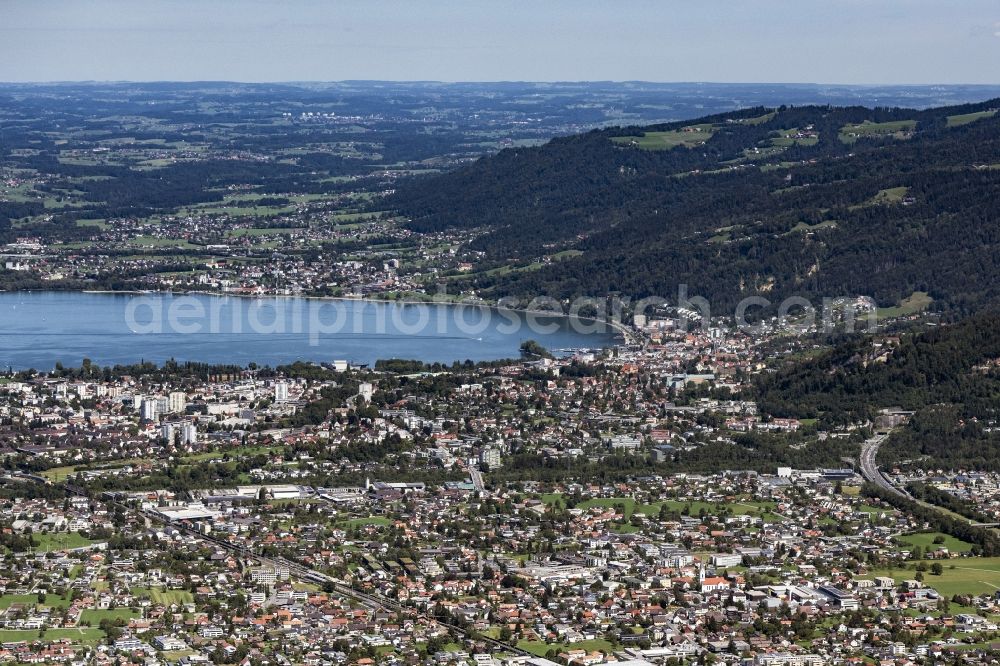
{"x":820,"y":41}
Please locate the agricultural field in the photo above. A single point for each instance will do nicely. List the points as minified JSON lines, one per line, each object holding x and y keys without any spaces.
{"x":803,"y":227}
{"x":966,"y":118}
{"x":925,"y":540}
{"x":541,"y":648}
{"x":58,"y":473}
{"x":53,"y":541}
{"x":93,"y":617}
{"x":758,"y":120}
{"x":689,"y":137}
{"x":790,"y":137}
{"x":378,"y":521}
{"x":964,"y":575}
{"x":95,"y":223}
{"x":888,"y":197}
{"x":175,"y":655}
{"x":81,"y":636}
{"x":51,"y":600}
{"x":897,"y":129}
{"x":158,"y":596}
{"x":916,"y":302}
{"x":892,"y":195}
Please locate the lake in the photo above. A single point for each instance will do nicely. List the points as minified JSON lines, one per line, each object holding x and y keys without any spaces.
{"x":38,"y":329}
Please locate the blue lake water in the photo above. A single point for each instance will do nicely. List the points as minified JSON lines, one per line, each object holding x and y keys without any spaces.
{"x":38,"y":329}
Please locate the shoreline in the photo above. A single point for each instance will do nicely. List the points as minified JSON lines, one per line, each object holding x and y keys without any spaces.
{"x":613,"y":333}
{"x":620,"y":330}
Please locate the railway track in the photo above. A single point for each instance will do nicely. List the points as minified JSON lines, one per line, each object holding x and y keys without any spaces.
{"x":372,"y":601}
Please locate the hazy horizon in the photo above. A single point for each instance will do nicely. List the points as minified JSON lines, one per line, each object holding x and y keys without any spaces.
{"x":503,"y":81}
{"x":840,"y":42}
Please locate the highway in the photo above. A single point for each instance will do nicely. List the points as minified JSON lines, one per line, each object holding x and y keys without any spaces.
{"x":870,"y":470}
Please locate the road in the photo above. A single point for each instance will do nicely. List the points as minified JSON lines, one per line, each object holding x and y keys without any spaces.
{"x":477,"y":479}
{"x":870,"y":470}
{"x":374,"y":601}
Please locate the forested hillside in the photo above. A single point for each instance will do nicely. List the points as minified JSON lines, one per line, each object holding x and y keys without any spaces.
{"x":813,"y":200}
{"x":949,"y":376}
{"x":857,"y":378}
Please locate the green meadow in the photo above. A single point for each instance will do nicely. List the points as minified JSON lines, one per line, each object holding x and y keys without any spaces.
{"x":868,"y":129}
{"x":691,"y":136}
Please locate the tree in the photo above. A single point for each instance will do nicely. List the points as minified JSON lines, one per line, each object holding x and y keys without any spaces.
{"x":531,"y":349}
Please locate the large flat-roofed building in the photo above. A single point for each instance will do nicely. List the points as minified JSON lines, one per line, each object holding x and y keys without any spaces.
{"x":841,"y":599}
{"x":192,"y":511}
{"x":344,"y":495}
{"x":278,"y":492}
{"x":788,"y":659}
{"x":837,"y":474}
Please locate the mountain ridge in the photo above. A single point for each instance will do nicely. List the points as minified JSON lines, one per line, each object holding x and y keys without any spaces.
{"x":809,"y":201}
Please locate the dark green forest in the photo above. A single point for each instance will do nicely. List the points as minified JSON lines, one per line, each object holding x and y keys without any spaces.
{"x":881,"y":215}
{"x":947,"y":375}
{"x":854,"y":380}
